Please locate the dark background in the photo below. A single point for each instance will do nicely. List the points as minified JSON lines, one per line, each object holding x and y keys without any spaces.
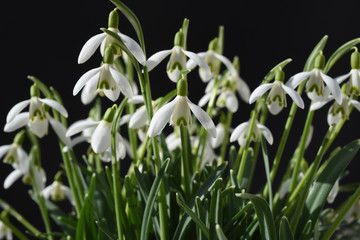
{"x":44,"y":38}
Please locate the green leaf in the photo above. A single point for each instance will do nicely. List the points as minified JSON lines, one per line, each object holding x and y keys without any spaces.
{"x":264,"y":215}
{"x":204,"y":189}
{"x":341,"y":51}
{"x":193,"y":216}
{"x":319,"y":47}
{"x":285,"y":231}
{"x":220,"y":234}
{"x":322,"y":187}
{"x":151,"y":200}
{"x":133,"y":20}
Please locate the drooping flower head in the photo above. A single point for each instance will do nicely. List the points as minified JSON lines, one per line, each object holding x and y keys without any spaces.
{"x":178,"y":112}
{"x":105,"y":41}
{"x":353,"y":87}
{"x":240,"y":133}
{"x":276,"y":99}
{"x":57,"y":191}
{"x":177,"y":61}
{"x":14,"y":153}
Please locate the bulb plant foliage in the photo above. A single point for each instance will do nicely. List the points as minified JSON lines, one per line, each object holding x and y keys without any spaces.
{"x":192,"y":166}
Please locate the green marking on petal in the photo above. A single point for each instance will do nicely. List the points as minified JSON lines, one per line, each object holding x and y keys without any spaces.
{"x":104,"y":84}
{"x":181,"y":121}
{"x":277,"y":97}
{"x":9,"y":159}
{"x":316,"y":88}
{"x":175,"y":65}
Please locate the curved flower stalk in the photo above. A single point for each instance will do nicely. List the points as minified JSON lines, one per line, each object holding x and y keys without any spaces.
{"x":177,"y":61}
{"x":315,"y":86}
{"x":276,"y":99}
{"x":37,"y":118}
{"x":101,"y":137}
{"x":177,"y":112}
{"x":241,"y":131}
{"x":105,"y":80}
{"x":105,"y":41}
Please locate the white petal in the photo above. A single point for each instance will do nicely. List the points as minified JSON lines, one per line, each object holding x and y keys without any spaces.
{"x":155,"y":59}
{"x":295,"y":80}
{"x":101,"y":138}
{"x":315,"y":105}
{"x":136,"y":99}
{"x":341,"y":78}
{"x":113,"y":95}
{"x":333,"y":87}
{"x":84,"y":79}
{"x":66,"y":190}
{"x":243,"y":89}
{"x":220,"y":130}
{"x":266,"y":132}
{"x":80,"y":125}
{"x":90,"y":47}
{"x":231,"y":101}
{"x":204,"y":100}
{"x":134,"y":48}
{"x":274,"y":108}
{"x":11,"y":178}
{"x":39,"y":127}
{"x":4,"y":149}
{"x":19,"y":121}
{"x":122,"y":82}
{"x":294,"y":96}
{"x":259,"y":91}
{"x":355,"y":103}
{"x":54,"y":104}
{"x":203,"y":118}
{"x":191,"y":64}
{"x":161,"y":117}
{"x":46,"y":192}
{"x":227,"y":63}
{"x":238,"y":131}
{"x":60,"y":131}
{"x":138,"y":119}
{"x":333,"y":193}
{"x":199,"y":61}
{"x":15,"y":110}
{"x":89,"y":93}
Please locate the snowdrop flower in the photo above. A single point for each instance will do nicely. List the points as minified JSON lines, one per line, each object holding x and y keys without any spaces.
{"x":315,"y":86}
{"x":37,"y":118}
{"x":105,"y":40}
{"x":14,"y":153}
{"x":353,"y":87}
{"x":101,"y":137}
{"x":5,"y":232}
{"x":177,"y":62}
{"x":57,"y":191}
{"x":241,"y":131}
{"x":105,"y":80}
{"x":177,"y":112}
{"x":276,"y":99}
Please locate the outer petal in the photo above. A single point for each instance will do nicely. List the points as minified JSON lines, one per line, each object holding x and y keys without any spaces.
{"x":259,"y":91}
{"x":138,"y":119}
{"x":101,"y":138}
{"x":4,"y":149}
{"x":341,"y":78}
{"x":203,"y":118}
{"x":88,"y":93}
{"x":333,"y":87}
{"x":238,"y":131}
{"x":315,"y":105}
{"x":46,"y":192}
{"x":294,"y":96}
{"x":220,"y":130}
{"x":231,"y":101}
{"x":80,"y":125}
{"x":155,"y":59}
{"x":205,"y":99}
{"x":84,"y":79}
{"x":90,"y":47}
{"x":134,"y":48}
{"x":11,"y":178}
{"x":66,"y":190}
{"x":355,"y":103}
{"x":227,"y":63}
{"x":295,"y":80}
{"x":54,"y":104}
{"x":122,"y":82}
{"x":266,"y":132}
{"x":199,"y":61}
{"x":15,"y":110}
{"x":191,"y":64}
{"x":243,"y":89}
{"x":60,"y":131}
{"x":161,"y":117}
{"x":19,"y":121}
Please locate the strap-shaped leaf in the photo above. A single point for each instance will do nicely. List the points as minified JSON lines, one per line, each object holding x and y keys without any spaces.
{"x":322,"y":187}
{"x":285,"y":230}
{"x":273,"y":71}
{"x":319,"y":47}
{"x":264,"y":215}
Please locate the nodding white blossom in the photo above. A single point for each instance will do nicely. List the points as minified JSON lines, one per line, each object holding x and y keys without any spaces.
{"x":58,"y":192}
{"x":177,"y":62}
{"x":14,"y":153}
{"x":106,"y":40}
{"x":276,"y":99}
{"x":105,"y":80}
{"x":101,"y":136}
{"x":178,"y":112}
{"x":5,"y":232}
{"x":37,"y":118}
{"x":241,"y":131}
{"x":315,"y":85}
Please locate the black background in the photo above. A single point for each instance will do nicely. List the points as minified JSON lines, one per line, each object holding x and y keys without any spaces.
{"x":44,"y":38}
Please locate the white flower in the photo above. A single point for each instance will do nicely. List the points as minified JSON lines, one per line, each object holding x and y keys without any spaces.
{"x":336,"y":111}
{"x":177,"y":62}
{"x":177,"y":112}
{"x":354,"y":81}
{"x":5,"y":232}
{"x":14,"y":153}
{"x":241,"y":131}
{"x":333,"y":193}
{"x":105,"y":40}
{"x":37,"y":118}
{"x":105,"y":80}
{"x":220,"y":135}
{"x":57,"y":192}
{"x":315,"y":87}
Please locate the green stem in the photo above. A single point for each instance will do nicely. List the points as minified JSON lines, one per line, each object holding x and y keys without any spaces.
{"x":12,"y":228}
{"x":226,"y":138}
{"x":185,"y":161}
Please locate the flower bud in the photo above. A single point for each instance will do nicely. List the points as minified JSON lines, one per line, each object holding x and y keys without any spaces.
{"x":34,"y":91}
{"x":320,"y":61}
{"x":113,"y":21}
{"x":182,"y":87}
{"x":280,"y":75}
{"x":179,"y":38}
{"x":109,"y":114}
